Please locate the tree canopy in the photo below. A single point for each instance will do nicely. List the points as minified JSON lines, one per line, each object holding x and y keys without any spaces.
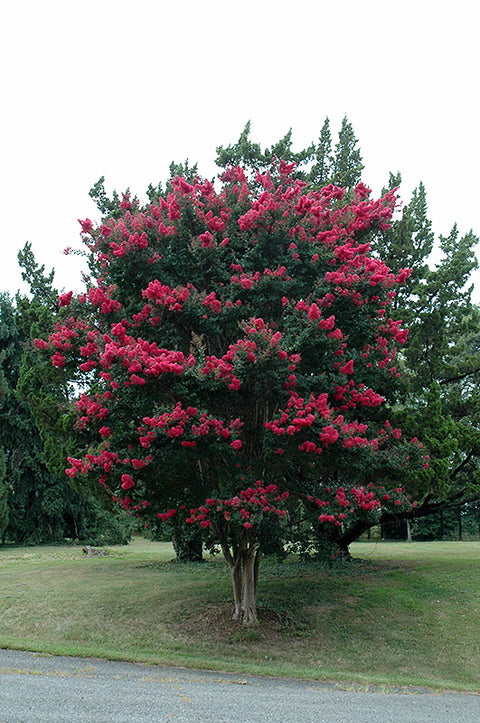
{"x":237,"y":354}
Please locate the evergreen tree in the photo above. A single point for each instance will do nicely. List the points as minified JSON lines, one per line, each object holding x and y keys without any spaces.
{"x":317,"y":164}
{"x":41,"y":285}
{"x":107,"y":206}
{"x":408,"y":243}
{"x":42,"y":504}
{"x":250,"y":157}
{"x":347,"y":163}
{"x":321,"y":170}
{"x":440,"y":401}
{"x":25,"y":472}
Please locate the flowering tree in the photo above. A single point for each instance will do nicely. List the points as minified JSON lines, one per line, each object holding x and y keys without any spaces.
{"x":236,"y":355}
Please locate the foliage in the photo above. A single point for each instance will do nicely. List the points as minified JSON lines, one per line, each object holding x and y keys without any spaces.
{"x":439,"y":398}
{"x":318,"y":164}
{"x":452,"y":523}
{"x":252,"y":159}
{"x":347,"y":166}
{"x":448,"y":522}
{"x":42,"y":506}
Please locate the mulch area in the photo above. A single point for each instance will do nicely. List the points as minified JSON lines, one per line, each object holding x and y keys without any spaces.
{"x":216,"y":623}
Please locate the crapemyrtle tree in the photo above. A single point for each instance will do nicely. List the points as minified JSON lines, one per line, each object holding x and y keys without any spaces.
{"x":236,"y":356}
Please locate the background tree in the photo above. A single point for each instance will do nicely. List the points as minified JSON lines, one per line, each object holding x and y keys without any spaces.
{"x":347,"y":164}
{"x":321,"y":170}
{"x":317,"y":164}
{"x":439,"y":398}
{"x":250,"y":157}
{"x":42,"y":504}
{"x":25,"y":473}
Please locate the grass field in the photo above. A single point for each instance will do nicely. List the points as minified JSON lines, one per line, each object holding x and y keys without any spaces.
{"x":401,"y":614}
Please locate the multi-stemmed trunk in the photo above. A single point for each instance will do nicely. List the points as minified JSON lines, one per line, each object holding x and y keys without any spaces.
{"x":243,"y":560}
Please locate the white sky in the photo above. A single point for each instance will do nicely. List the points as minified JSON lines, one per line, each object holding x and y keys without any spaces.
{"x":120,"y":89}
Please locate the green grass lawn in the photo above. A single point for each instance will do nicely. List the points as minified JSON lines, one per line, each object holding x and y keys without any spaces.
{"x":401,"y":614}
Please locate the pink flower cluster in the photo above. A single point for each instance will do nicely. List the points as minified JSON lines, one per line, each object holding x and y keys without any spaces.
{"x":101,"y":297}
{"x":191,"y":425}
{"x":161,"y":294}
{"x":261,"y":341}
{"x":339,"y":506}
{"x":246,"y":509}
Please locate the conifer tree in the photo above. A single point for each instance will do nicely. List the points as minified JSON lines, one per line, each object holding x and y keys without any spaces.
{"x":321,"y":170}
{"x":347,"y":162}
{"x":441,"y":357}
{"x":250,"y":157}
{"x":41,"y":502}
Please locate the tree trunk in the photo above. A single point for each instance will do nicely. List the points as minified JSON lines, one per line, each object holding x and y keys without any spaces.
{"x":236,"y":573}
{"x":244,"y":563}
{"x":409,"y":531}
{"x":249,"y":587}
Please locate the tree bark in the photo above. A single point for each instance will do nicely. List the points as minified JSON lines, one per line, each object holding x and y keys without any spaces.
{"x":249,"y":587}
{"x":409,"y":531}
{"x":243,"y":561}
{"x":236,"y":573}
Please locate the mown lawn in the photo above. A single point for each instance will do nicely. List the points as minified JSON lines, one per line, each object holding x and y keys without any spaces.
{"x":400,"y":614}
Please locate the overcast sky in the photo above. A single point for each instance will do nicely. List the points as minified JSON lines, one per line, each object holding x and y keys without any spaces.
{"x":120,"y":89}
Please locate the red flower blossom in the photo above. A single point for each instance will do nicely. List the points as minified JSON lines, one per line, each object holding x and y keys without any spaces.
{"x":127,"y":482}
{"x":65,"y":299}
{"x":347,"y":368}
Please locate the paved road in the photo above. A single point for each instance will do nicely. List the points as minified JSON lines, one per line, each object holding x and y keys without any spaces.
{"x":37,"y":689}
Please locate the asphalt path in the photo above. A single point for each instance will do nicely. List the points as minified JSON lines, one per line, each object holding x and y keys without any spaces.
{"x":49,"y":689}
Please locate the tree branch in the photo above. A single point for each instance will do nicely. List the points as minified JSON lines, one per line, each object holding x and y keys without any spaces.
{"x":459,"y":377}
